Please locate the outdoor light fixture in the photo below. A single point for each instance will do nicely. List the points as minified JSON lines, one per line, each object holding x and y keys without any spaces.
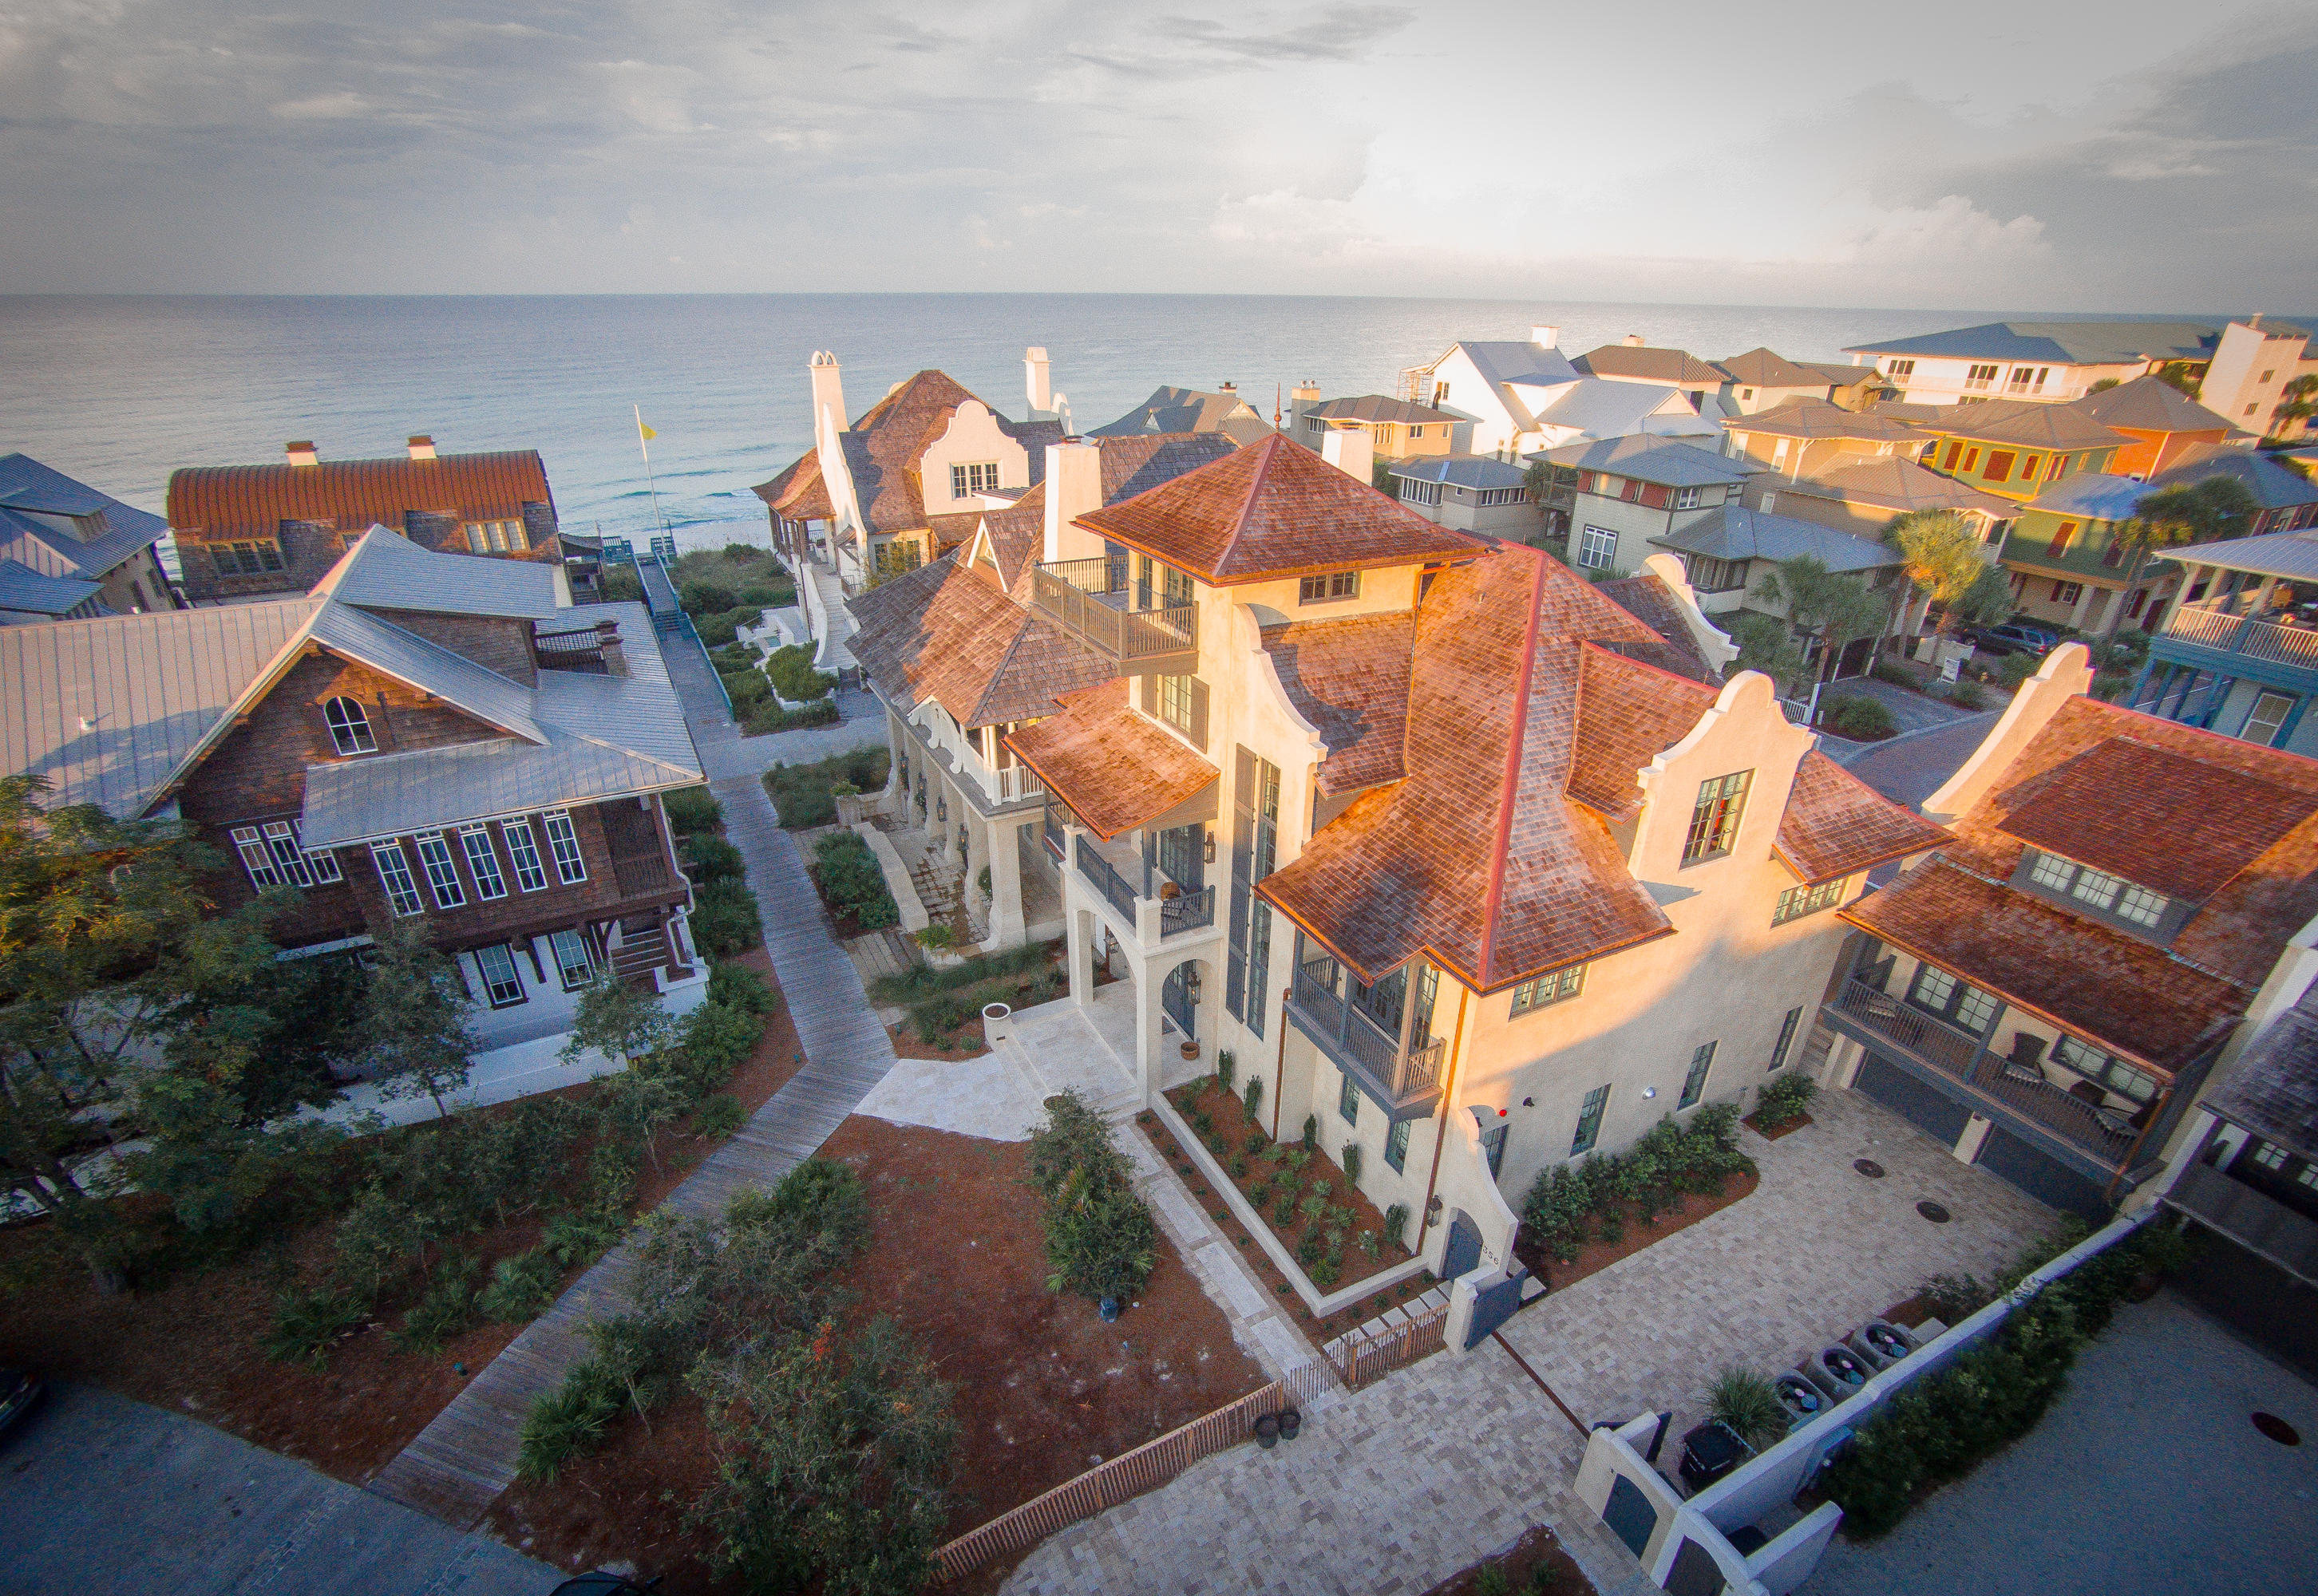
{"x":1649,"y":1091}
{"x":1211,"y":853}
{"x":1192,"y":983}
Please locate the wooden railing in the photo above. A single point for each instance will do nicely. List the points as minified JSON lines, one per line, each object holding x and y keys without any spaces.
{"x":1368,"y":1359}
{"x":1355,"y":1037}
{"x":1090,"y":597}
{"x":647,"y":873}
{"x":2242,"y":634}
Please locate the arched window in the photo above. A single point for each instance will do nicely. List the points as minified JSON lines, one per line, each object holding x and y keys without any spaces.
{"x":349,"y":726}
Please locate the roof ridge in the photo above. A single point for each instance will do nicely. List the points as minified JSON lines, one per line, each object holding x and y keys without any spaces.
{"x":1501,"y":839}
{"x":1247,"y":505}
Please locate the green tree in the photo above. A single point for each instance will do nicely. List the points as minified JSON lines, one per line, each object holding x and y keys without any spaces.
{"x":2176,"y":517}
{"x":415,"y":1018}
{"x":1766,"y":644}
{"x":1835,"y":610}
{"x":2296,"y":403}
{"x":1945,"y":559}
{"x":617,"y":1020}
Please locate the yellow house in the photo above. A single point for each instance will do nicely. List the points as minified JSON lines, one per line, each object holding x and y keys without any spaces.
{"x":2018,"y":448}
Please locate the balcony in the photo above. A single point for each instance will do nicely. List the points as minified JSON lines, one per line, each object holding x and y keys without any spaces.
{"x":2243,"y":636}
{"x":1154,"y":915}
{"x":2258,"y":1223}
{"x":2093,"y":1139}
{"x":1117,"y":619}
{"x":1402,"y":1072}
{"x":996,"y":786}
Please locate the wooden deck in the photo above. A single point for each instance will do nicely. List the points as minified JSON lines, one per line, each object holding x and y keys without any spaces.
{"x":461,"y":1462}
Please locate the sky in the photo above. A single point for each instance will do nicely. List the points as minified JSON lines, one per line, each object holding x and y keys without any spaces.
{"x":2124,"y":156}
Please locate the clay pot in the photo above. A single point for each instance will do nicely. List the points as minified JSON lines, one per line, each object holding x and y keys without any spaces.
{"x":1190,"y":1050}
{"x":1267,"y":1432}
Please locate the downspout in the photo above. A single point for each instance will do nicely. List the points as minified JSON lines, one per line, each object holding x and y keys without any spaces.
{"x":1441,"y":1137}
{"x":1279,"y":1071}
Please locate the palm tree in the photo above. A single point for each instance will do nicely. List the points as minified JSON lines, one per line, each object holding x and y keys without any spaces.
{"x":2176,"y":517}
{"x":1837,"y":610}
{"x":1944,"y":560}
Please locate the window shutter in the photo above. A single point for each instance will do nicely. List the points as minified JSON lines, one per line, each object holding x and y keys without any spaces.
{"x":1199,"y":713}
{"x":1148,"y":688}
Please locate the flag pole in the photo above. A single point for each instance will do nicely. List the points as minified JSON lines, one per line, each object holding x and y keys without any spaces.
{"x":643,"y":435}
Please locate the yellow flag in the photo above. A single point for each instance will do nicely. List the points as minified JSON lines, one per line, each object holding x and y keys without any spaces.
{"x":647,"y":431}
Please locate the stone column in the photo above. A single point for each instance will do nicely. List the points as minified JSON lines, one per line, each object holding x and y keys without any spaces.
{"x":1009,"y":928}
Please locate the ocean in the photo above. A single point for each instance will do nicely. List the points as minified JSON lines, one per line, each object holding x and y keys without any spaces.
{"x":121,"y":391}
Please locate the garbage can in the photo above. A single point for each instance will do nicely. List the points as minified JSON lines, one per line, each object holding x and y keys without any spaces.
{"x":1710,"y":1451}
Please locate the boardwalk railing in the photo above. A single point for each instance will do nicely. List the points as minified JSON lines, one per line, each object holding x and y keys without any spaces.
{"x":1130,"y":1473}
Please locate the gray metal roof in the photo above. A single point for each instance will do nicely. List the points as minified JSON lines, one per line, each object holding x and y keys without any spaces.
{"x":2293,"y":555}
{"x":387,"y":571}
{"x":2096,"y":495}
{"x":2069,"y":343}
{"x":1460,"y":471}
{"x":1503,"y":364}
{"x":28,"y":490}
{"x":2274,"y":487}
{"x":1737,"y":533}
{"x":1601,"y":408}
{"x":27,"y":591}
{"x":1818,"y":418}
{"x":1648,"y":458}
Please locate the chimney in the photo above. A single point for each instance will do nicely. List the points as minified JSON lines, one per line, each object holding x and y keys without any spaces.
{"x":1229,"y":390}
{"x":1303,"y":397}
{"x":828,"y":399}
{"x":1352,"y":452}
{"x":607,"y":640}
{"x":2254,"y":321}
{"x":1074,"y":486}
{"x":422,"y":447}
{"x":1633,"y":341}
{"x":300,"y":452}
{"x":1545,"y":337}
{"x":1039,"y":382}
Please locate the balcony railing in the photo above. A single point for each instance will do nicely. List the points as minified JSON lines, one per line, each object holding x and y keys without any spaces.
{"x":1186,"y":911}
{"x":1094,"y":598}
{"x":2242,"y":634}
{"x":1402,"y":1077}
{"x":1992,"y":1079}
{"x":1192,"y":911}
{"x":637,"y":876}
{"x":1057,"y":839}
{"x":1105,"y":879}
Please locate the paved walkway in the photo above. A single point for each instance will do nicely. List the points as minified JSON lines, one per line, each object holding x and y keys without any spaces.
{"x":2145,"y":1478}
{"x":100,"y":1493}
{"x":724,"y":752}
{"x":1909,"y":769}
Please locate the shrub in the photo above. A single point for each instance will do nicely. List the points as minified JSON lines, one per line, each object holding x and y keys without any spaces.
{"x":2110,"y":685}
{"x":736,"y":986}
{"x":2016,"y":668}
{"x":982,"y":880}
{"x":938,"y":1015}
{"x":820,"y":1210}
{"x":747,"y":690}
{"x":712,"y":858}
{"x":568,"y":1421}
{"x":1785,"y":1100}
{"x":714,"y":1040}
{"x":725,"y":919}
{"x":1253,"y":1143}
{"x":522,"y":1288}
{"x":1202,"y":1121}
{"x":1311,"y":1134}
{"x":1307,"y":1250}
{"x":1862,"y":720}
{"x":1283,"y":1210}
{"x":1225,"y":1067}
{"x":1239,"y":1166}
{"x":847,"y":875}
{"x":1748,"y":1403}
{"x":937,"y":936}
{"x":1893,"y":672}
{"x":1353,"y":1163}
{"x":705,"y":598}
{"x":1368,"y":1242}
{"x":771,"y":594}
{"x":579,"y":1238}
{"x":768,"y":718}
{"x":1254,"y":1098}
{"x":1954,"y":1298}
{"x":1325,"y":1273}
{"x":446,"y":1308}
{"x":1968,"y":695}
{"x":691,"y":809}
{"x":305,"y":1323}
{"x":794,"y":677}
{"x":801,"y":792}
{"x":1314,"y":1206}
{"x":719,"y":1116}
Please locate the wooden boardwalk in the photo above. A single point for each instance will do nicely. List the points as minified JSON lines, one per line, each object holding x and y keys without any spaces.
{"x":458,"y":1464}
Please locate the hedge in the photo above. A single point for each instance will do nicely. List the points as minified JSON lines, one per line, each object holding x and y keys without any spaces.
{"x":846,"y":873}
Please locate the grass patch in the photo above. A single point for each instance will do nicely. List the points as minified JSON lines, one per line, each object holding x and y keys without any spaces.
{"x":806,"y":794}
{"x":943,"y":1003}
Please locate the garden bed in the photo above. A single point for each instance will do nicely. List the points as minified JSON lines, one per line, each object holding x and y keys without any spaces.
{"x":195,"y":1341}
{"x":1042,"y":1389}
{"x":1577,"y":1220}
{"x":804,"y":794}
{"x":1534,"y":1563}
{"x":1787,"y":1128}
{"x":946,"y":1002}
{"x":1597,"y":1254}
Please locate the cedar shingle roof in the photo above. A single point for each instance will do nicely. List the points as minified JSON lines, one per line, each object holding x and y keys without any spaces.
{"x":798,"y":493}
{"x":1350,"y":679}
{"x":882,"y":449}
{"x":217,"y":502}
{"x":1115,"y":768}
{"x":949,"y":633}
{"x":1836,"y":825}
{"x":1651,"y":602}
{"x":1274,"y":509}
{"x":1627,"y":714}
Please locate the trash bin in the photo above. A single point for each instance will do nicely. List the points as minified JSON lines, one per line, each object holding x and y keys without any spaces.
{"x":1710,"y":1451}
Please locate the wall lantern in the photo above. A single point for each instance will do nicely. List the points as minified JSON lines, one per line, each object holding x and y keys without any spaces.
{"x":1192,"y":983}
{"x":1210,"y":852}
{"x":1649,"y":1091}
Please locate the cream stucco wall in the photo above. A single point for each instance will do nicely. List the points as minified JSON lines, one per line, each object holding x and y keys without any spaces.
{"x":971,"y":437}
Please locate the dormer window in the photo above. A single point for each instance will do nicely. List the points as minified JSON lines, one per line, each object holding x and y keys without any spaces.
{"x":2096,"y":890}
{"x":966,"y":479}
{"x":497,"y":537}
{"x":349,"y":727}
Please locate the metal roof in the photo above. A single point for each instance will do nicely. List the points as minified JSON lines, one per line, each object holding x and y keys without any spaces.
{"x":2293,"y":555}
{"x":1645,"y":363}
{"x":1377,"y":407}
{"x":2148,"y":404}
{"x":1602,"y":407}
{"x":28,"y":490}
{"x":1648,"y":458}
{"x":385,"y":570}
{"x":2274,"y":487}
{"x":2064,"y":343}
{"x":227,"y":501}
{"x":1460,"y":471}
{"x":2096,"y":495}
{"x":1737,"y":533}
{"x":1891,"y":483}
{"x":30,"y":592}
{"x":1504,"y":363}
{"x":2024,"y":423}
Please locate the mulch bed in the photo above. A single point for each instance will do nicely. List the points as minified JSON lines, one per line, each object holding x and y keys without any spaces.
{"x":964,"y":1043}
{"x":1535,"y":1562}
{"x":1754,"y":1123}
{"x":195,"y":1341}
{"x":1596,"y":1256}
{"x":1043,"y":1389}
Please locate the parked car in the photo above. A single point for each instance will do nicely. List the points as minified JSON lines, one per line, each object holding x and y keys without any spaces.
{"x":2013,"y":638}
{"x":601,"y":1584}
{"x":19,"y":1394}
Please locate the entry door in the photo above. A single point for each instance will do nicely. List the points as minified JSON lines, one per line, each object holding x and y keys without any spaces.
{"x":1175,"y":997}
{"x":1464,"y":1251}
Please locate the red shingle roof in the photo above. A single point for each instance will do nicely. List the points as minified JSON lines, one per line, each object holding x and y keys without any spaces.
{"x":1350,"y":679}
{"x":949,"y":633}
{"x":1836,"y":825}
{"x":798,"y":493}
{"x":218,"y":502}
{"x":1274,"y":509}
{"x":1115,"y":768}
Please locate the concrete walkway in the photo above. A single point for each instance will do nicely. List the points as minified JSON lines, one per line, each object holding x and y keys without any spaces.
{"x":1911,"y":767}
{"x":100,"y":1493}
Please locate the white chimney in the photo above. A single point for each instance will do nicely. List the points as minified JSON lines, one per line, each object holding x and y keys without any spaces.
{"x":300,"y":452}
{"x":1352,"y":452}
{"x":1037,"y":380}
{"x":422,"y":447}
{"x":1073,"y":488}
{"x":1633,"y":341}
{"x":827,"y":398}
{"x":1545,"y":337}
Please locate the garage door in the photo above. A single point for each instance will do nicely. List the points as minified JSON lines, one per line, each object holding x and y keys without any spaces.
{"x":2045,"y":1179}
{"x":1941,"y":1118}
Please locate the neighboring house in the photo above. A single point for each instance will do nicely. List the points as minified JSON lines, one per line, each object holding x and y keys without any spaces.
{"x":2068,"y":568}
{"x":1629,"y":491}
{"x":2047,"y":993}
{"x":2251,"y":365}
{"x":1452,"y":850}
{"x":2014,"y":450}
{"x":2043,"y":362}
{"x":1764,"y":379}
{"x":960,"y":654}
{"x":67,"y":550}
{"x":1396,"y":429}
{"x":2249,"y":1166}
{"x":1472,"y":493}
{"x":1634,"y":361}
{"x":249,"y":531}
{"x":1805,"y":436}
{"x":424,"y":736}
{"x":2158,"y":422}
{"x":1727,"y":553}
{"x":1171,"y":410}
{"x":1865,"y":494}
{"x":1520,"y":398}
{"x":2285,"y":499}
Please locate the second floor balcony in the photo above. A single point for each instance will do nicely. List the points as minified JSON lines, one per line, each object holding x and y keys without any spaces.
{"x":1131,"y":623}
{"x":1133,"y":882}
{"x":1373,"y":1033}
{"x":2198,"y":635}
{"x":960,"y":752}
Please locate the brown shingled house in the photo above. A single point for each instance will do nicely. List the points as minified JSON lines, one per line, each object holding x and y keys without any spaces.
{"x":2125,"y":900}
{"x":1462,"y":855}
{"x":248,"y":532}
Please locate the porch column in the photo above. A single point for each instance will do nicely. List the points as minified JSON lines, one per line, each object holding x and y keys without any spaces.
{"x":2217,"y":696}
{"x":1009,"y":927}
{"x":1975,"y":1137}
{"x":2293,"y":719}
{"x":1079,"y":945}
{"x":897,"y":740}
{"x":2133,"y":699}
{"x":2190,"y":578}
{"x":1987,"y":1040}
{"x":1148,"y":1066}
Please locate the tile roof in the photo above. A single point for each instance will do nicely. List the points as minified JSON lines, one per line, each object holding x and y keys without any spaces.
{"x":1350,"y":679}
{"x":1114,"y":767}
{"x":385,"y":570}
{"x":1677,"y":368}
{"x":2274,"y":487}
{"x":2272,"y":1089}
{"x":1273,"y":510}
{"x":222,"y":501}
{"x":1836,"y":825}
{"x":2069,"y":343}
{"x":1891,"y":483}
{"x":2146,"y":404}
{"x":1817,"y":419}
{"x":1377,"y":407}
{"x":952,"y":634}
{"x":2026,"y":423}
{"x":1189,"y":411}
{"x":1761,"y":367}
{"x":2258,"y":885}
{"x":1737,"y":533}
{"x":1647,"y":458}
{"x":28,"y":490}
{"x":798,"y":493}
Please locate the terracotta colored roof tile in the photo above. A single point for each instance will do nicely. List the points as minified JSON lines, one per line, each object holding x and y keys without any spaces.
{"x":950,"y":633}
{"x":1115,"y":770}
{"x":1627,"y":715}
{"x":1274,"y":509}
{"x":882,"y":449}
{"x":226,"y":501}
{"x":798,"y":493}
{"x":1350,"y":679}
{"x":1834,"y":824}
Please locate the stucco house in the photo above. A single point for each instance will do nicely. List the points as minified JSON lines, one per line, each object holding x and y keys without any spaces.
{"x":2067,"y":566}
{"x":2158,"y":422}
{"x":1862,"y":494}
{"x":68,"y":551}
{"x":2014,"y":449}
{"x":1396,"y":429}
{"x":1802,"y":437}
